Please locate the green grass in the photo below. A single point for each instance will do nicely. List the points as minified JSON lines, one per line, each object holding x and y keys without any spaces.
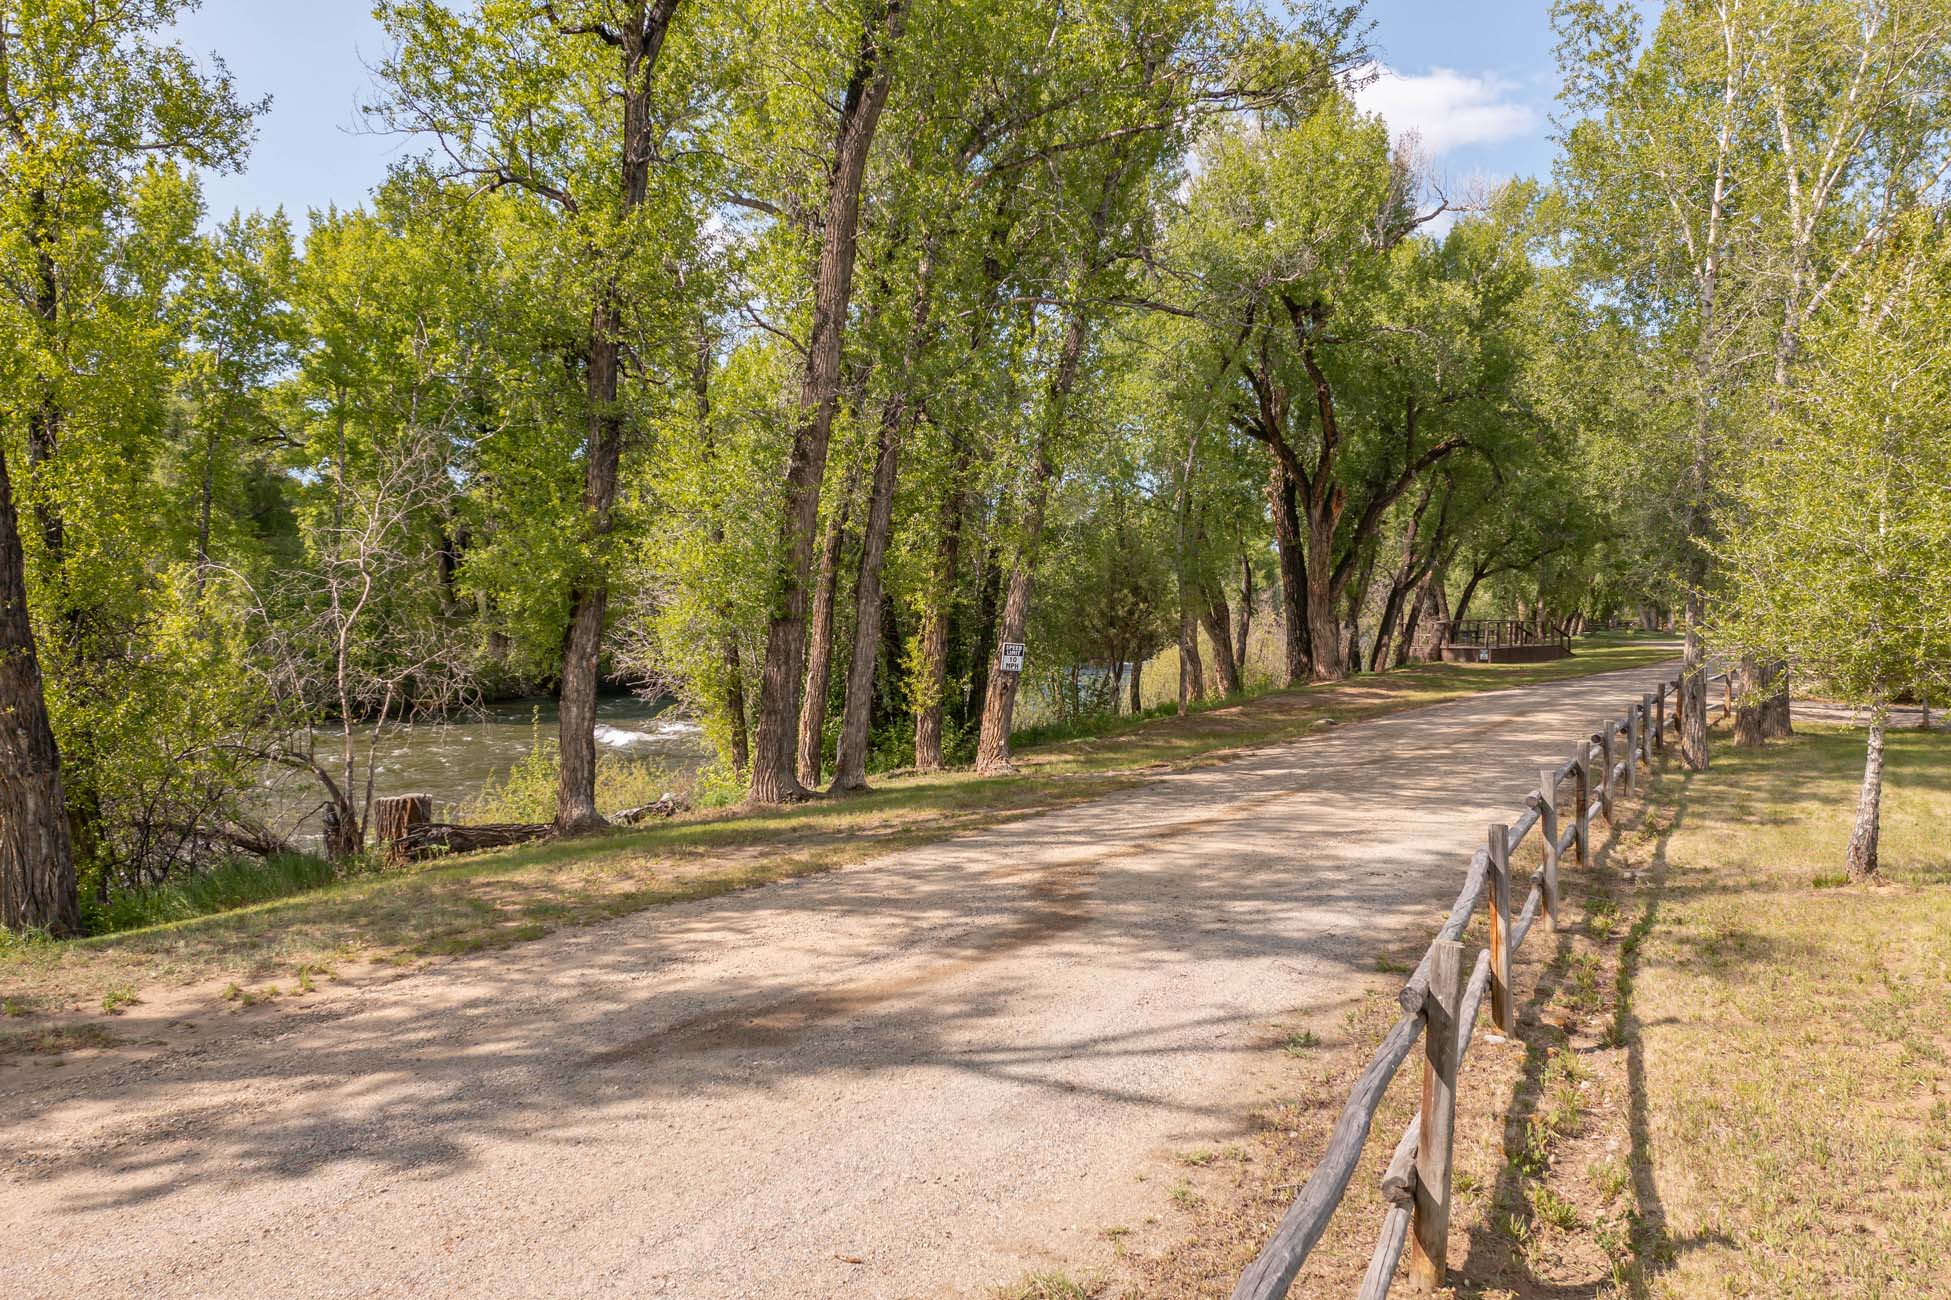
{"x":1791,"y":1033}
{"x":247,"y":928}
{"x":223,"y":888}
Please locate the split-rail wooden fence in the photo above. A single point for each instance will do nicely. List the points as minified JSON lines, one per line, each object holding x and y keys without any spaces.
{"x":1440,"y":1007}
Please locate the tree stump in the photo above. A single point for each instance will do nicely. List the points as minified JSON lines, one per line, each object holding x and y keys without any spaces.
{"x":396,"y":819}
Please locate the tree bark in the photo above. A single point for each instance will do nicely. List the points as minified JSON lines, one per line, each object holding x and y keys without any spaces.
{"x":999,"y":704}
{"x":1137,"y":696}
{"x":1693,"y":722}
{"x":936,"y":604}
{"x":850,"y":764}
{"x":1293,"y":574}
{"x":582,"y":645}
{"x":639,"y":43}
{"x":37,"y":872}
{"x":1246,"y":619}
{"x":1861,"y":856}
{"x":1748,"y":706}
{"x":1192,"y":667}
{"x":1218,"y":620}
{"x":819,"y":649}
{"x":1776,"y":722}
{"x":1323,"y":629}
{"x":773,"y":779}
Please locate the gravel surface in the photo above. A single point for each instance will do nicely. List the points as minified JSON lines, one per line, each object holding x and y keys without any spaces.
{"x":925,"y":1075}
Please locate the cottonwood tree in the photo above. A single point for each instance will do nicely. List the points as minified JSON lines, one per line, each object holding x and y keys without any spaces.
{"x":581,"y":112}
{"x":1836,"y":550}
{"x":95,"y":108}
{"x":1724,"y":173}
{"x":1361,"y":355}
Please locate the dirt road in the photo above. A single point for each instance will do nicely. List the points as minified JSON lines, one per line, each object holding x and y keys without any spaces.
{"x":925,"y":1075}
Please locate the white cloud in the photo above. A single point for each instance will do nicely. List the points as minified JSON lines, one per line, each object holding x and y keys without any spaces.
{"x":1448,"y":109}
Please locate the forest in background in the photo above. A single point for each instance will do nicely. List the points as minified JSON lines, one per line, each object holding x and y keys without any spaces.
{"x":791,"y":359}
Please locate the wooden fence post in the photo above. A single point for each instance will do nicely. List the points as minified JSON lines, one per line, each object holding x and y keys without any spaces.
{"x":1632,"y":749}
{"x":1605,"y":771}
{"x":1582,"y":790}
{"x":1646,"y":730}
{"x":1430,"y":1227}
{"x":1659,"y":718}
{"x":1548,"y":823}
{"x":1503,"y":1006}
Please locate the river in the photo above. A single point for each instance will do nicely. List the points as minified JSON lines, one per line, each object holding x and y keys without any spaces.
{"x":452,"y":759}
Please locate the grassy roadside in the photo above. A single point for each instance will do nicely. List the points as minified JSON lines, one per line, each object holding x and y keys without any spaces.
{"x":1732,"y":1078}
{"x":497,"y":899}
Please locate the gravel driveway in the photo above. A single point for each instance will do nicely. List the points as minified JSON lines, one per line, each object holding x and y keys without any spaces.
{"x":924,"y":1075}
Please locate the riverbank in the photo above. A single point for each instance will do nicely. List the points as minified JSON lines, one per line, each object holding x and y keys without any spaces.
{"x":93,"y":992}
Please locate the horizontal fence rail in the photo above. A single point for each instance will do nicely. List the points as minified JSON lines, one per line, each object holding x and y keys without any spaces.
{"x":1440,"y":1005}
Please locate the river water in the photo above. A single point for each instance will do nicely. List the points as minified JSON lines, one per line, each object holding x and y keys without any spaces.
{"x":452,"y":759}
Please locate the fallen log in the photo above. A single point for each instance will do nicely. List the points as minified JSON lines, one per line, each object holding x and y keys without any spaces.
{"x":430,"y":838}
{"x":668,"y":806}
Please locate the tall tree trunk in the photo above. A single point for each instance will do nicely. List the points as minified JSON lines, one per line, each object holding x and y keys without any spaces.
{"x":639,"y":42}
{"x":773,"y":778}
{"x":1281,"y":491}
{"x":1323,"y":628}
{"x":37,"y":872}
{"x":1861,"y":856}
{"x":989,"y":605}
{"x":1246,"y":619}
{"x":819,"y":647}
{"x":1218,"y":620}
{"x":999,"y":704}
{"x":735,"y":707}
{"x":850,"y":758}
{"x":1477,"y":575}
{"x":1693,"y":720}
{"x":850,"y":764}
{"x":937,"y":601}
{"x":582,"y":644}
{"x":1748,"y":705}
{"x":1192,"y":667}
{"x":1434,"y":619}
{"x":1137,"y":695}
{"x":1776,"y":722}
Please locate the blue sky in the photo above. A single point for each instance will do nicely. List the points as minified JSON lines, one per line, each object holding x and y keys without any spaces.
{"x":1474,"y":78}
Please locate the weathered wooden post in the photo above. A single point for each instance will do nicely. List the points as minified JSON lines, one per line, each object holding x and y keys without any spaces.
{"x":1548,"y":823}
{"x":1646,"y":730}
{"x":1659,"y":718}
{"x":1430,"y":1223}
{"x":1632,"y":750}
{"x":1503,"y":1006}
{"x":1604,"y":739}
{"x":394,"y":821}
{"x":1582,"y":789}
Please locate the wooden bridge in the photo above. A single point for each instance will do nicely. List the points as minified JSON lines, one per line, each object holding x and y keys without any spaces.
{"x":1502,"y":641}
